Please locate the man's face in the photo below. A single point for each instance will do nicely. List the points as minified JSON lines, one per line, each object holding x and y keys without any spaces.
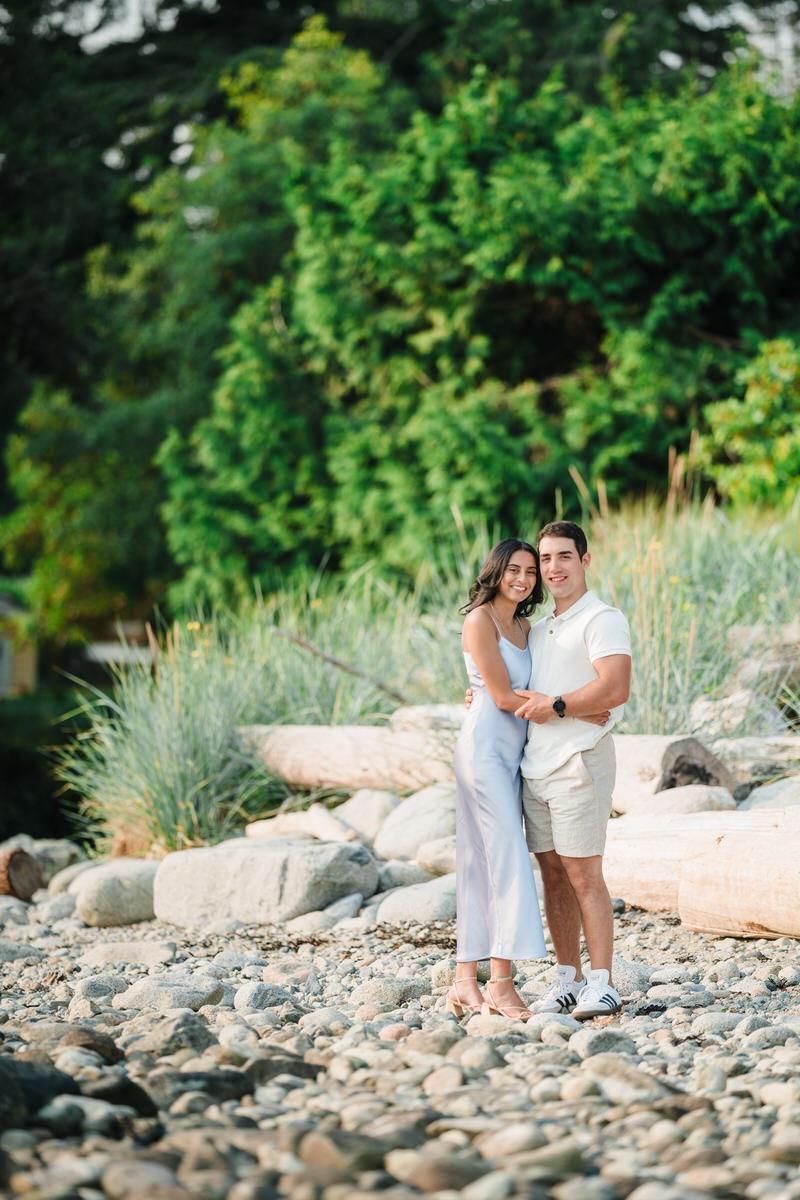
{"x":563,"y":571}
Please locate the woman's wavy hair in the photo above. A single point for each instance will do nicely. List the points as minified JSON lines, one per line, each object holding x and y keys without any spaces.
{"x":487,"y":585}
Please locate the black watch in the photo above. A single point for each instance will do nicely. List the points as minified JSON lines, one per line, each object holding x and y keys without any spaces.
{"x":559,"y":707}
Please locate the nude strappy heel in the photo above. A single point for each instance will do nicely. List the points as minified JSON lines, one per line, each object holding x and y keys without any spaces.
{"x":515,"y":1012}
{"x":455,"y":1005}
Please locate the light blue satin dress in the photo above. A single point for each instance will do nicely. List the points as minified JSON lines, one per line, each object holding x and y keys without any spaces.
{"x":497,"y":904}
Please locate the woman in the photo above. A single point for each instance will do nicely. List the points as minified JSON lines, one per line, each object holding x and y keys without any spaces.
{"x":497,"y":904}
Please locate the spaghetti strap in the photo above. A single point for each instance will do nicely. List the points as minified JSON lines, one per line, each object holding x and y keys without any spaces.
{"x":495,"y":621}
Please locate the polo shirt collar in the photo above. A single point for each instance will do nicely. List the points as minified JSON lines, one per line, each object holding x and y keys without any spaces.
{"x":585,"y":601}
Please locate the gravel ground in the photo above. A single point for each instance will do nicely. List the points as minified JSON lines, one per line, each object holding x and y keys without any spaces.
{"x":148,"y":1061}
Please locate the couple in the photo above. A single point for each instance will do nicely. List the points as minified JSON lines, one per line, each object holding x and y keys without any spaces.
{"x":542,"y":702}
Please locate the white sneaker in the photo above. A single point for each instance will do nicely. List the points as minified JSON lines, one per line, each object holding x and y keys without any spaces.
{"x":563,"y":993}
{"x":598,"y":998}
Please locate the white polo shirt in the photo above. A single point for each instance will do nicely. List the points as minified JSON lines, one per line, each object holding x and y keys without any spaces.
{"x":563,"y":649}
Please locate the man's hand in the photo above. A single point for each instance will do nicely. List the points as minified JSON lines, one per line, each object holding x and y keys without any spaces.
{"x":469,"y":696}
{"x":536,"y":707}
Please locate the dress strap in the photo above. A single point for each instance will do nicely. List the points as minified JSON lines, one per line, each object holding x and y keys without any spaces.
{"x":494,"y":619}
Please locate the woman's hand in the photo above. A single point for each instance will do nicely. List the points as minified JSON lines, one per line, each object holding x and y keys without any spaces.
{"x":468,"y":697}
{"x":597,"y":718}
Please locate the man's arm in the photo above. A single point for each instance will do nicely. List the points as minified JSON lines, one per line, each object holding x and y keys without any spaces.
{"x":612,"y":687}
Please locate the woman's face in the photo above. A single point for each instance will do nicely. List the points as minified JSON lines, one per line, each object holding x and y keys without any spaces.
{"x":519,"y":577}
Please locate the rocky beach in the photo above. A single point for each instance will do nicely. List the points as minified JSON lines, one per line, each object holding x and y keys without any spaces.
{"x":314,"y":1058}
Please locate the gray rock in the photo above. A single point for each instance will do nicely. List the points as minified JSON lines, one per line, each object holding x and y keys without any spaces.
{"x":253,"y":997}
{"x":260,"y":882}
{"x":179,"y":1031}
{"x":134,"y":1178}
{"x":163,"y":992}
{"x":119,"y":892}
{"x":743,"y":709}
{"x":715,"y":1022}
{"x":25,"y":1087}
{"x":423,"y":902}
{"x":621,"y":1081}
{"x":438,"y":856}
{"x":427,"y":815}
{"x":62,"y":880}
{"x":399,"y":872}
{"x":166,"y":1084}
{"x":771,"y":1035}
{"x":783,"y":793}
{"x":57,"y":908}
{"x":13,"y":911}
{"x":588,"y":1042}
{"x":147,"y":954}
{"x":388,"y":993}
{"x":98,"y":987}
{"x":433,"y":1172}
{"x":366,"y":811}
{"x":629,"y":976}
{"x":693,"y":797}
{"x":15,"y":951}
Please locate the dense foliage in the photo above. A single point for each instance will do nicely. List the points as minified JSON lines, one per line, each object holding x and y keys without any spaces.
{"x":292,"y":292}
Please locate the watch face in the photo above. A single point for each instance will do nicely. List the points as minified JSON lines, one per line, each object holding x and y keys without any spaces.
{"x":559,"y":706}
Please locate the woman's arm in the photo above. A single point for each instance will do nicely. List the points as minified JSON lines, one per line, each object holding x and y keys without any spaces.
{"x":480,"y":640}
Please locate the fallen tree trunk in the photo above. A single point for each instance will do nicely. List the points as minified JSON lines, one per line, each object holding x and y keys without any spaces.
{"x":747,"y":882}
{"x":673,"y":864}
{"x":20,"y":874}
{"x":353,"y":756}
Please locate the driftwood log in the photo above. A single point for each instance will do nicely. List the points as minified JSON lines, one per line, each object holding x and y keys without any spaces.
{"x":713,"y":868}
{"x":20,"y":874}
{"x":352,"y":756}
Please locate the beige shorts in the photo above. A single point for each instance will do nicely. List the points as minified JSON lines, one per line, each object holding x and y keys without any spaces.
{"x":568,"y":810}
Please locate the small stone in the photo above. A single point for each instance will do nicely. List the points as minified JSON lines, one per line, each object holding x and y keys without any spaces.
{"x":443,"y":1079}
{"x":119,"y":892}
{"x":588,"y":1042}
{"x":772,"y":1035}
{"x":148,"y":954}
{"x":254,"y":997}
{"x":387,"y":993}
{"x":163,"y":992}
{"x":431,"y":1172}
{"x":511,"y":1139}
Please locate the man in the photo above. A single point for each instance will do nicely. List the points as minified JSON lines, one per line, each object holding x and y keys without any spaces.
{"x":581,"y":665}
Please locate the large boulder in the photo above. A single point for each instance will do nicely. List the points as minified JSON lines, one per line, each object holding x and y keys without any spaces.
{"x":260,"y":881}
{"x":427,"y":815}
{"x":420,"y":903}
{"x":757,"y":759}
{"x":729,"y":715}
{"x":119,"y":892}
{"x":693,"y":797}
{"x":647,"y":764}
{"x":782,"y":793}
{"x":438,"y":856}
{"x":366,"y":811}
{"x":316,"y":821}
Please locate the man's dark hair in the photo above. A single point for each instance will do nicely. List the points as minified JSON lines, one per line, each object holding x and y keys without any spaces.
{"x":566,"y":529}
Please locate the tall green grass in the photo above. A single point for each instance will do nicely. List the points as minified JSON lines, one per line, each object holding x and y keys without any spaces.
{"x":159,"y":766}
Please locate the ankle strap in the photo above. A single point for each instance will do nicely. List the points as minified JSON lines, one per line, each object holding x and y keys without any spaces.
{"x":501,"y":979}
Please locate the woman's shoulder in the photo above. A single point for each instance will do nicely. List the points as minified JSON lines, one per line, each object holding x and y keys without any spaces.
{"x":526,"y":625}
{"x":478,"y":622}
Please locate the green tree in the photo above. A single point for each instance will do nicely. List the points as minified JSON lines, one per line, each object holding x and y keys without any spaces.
{"x":752,"y":449}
